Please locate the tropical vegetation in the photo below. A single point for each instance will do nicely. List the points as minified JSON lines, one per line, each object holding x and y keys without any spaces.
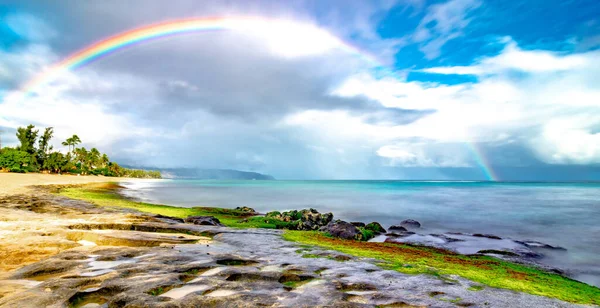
{"x":35,"y":154}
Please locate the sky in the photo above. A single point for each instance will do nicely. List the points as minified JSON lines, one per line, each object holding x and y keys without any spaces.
{"x":407,"y":89}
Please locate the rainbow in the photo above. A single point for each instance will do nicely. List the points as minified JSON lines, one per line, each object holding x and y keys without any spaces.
{"x":177,"y":27}
{"x":259,"y":25}
{"x":483,"y":162}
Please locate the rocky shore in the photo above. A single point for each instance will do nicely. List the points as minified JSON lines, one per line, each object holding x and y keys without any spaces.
{"x":59,"y":252}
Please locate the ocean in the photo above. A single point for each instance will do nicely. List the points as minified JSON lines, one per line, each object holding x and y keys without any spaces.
{"x":559,"y":214}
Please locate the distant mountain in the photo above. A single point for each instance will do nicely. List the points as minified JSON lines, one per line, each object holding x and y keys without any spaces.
{"x":207,"y":174}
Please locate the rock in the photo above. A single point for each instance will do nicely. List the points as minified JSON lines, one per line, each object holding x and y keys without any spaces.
{"x":400,"y":234}
{"x":204,"y":221}
{"x":490,"y":236}
{"x":397,"y":229}
{"x":168,"y":218}
{"x":375,"y":227}
{"x":307,"y":219}
{"x":535,"y":244}
{"x":315,"y":217}
{"x":358,"y":224}
{"x":245,"y":209}
{"x":410,"y":224}
{"x":342,"y":229}
{"x":498,"y":252}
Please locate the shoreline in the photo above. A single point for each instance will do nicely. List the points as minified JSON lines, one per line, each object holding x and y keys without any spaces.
{"x":19,"y":183}
{"x":124,"y":216}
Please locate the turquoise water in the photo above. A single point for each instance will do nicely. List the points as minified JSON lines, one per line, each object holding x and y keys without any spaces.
{"x":559,"y":214}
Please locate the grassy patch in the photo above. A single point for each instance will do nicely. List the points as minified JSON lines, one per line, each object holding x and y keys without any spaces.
{"x":483,"y":269}
{"x":106,"y":195}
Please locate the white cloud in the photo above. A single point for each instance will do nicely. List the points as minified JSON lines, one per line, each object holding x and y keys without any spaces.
{"x":552,"y":109}
{"x":527,"y":61}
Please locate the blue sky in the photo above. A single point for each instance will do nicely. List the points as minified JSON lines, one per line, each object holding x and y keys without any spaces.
{"x":470,"y":87}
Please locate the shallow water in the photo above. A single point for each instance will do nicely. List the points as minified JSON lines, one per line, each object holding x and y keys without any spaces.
{"x":559,"y":214}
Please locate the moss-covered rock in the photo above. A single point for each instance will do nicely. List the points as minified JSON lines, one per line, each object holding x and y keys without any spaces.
{"x":375,"y":227}
{"x":306,"y":219}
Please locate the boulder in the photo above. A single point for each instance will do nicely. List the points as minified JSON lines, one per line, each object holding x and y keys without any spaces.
{"x":342,"y":229}
{"x":397,"y":229}
{"x":410,"y":224}
{"x":358,"y":224}
{"x":204,"y":220}
{"x":375,"y":227}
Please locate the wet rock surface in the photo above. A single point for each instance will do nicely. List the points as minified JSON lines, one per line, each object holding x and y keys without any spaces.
{"x":204,"y":221}
{"x":231,"y":268}
{"x":410,"y":224}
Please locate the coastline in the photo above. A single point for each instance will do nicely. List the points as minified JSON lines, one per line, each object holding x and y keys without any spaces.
{"x":78,"y":215}
{"x":19,"y":183}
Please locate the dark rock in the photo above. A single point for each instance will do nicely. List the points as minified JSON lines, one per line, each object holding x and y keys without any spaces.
{"x":342,"y":229}
{"x":204,"y":220}
{"x":397,"y":229}
{"x":169,"y":218}
{"x":490,"y":236}
{"x":358,"y":224}
{"x":535,"y":244}
{"x":400,"y":233}
{"x":410,"y":224}
{"x":498,"y":252}
{"x":375,"y":227}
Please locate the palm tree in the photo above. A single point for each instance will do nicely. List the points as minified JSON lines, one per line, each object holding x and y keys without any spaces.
{"x":93,"y":158}
{"x":72,"y":141}
{"x":68,"y":144}
{"x":104,"y":160}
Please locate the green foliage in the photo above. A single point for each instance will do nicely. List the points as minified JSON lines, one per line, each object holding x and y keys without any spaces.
{"x":57,"y":162}
{"x":44,"y":146}
{"x":15,"y":160}
{"x":486,"y":270}
{"x":76,"y":161}
{"x":27,"y":137}
{"x":366,"y":234}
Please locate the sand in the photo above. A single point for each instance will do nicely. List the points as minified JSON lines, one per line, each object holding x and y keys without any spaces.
{"x":16,"y":183}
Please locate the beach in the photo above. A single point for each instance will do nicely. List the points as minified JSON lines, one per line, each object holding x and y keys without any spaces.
{"x":61,"y":247}
{"x":18,"y":183}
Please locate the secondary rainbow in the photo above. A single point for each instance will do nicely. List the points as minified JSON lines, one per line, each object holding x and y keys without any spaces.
{"x":176,"y":27}
{"x":483,"y":162}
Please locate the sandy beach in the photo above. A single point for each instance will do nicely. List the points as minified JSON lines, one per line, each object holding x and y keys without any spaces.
{"x":16,"y":183}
